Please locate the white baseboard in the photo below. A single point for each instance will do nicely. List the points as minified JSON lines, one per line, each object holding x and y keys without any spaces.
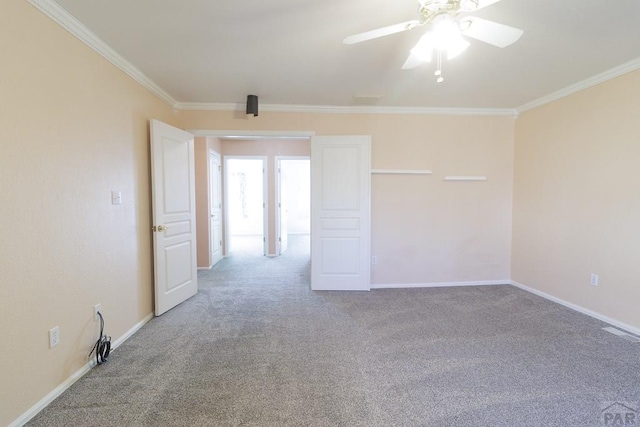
{"x":578,"y":308}
{"x":205,"y":268}
{"x":33,"y":411}
{"x":438,"y":284}
{"x":131,"y":331}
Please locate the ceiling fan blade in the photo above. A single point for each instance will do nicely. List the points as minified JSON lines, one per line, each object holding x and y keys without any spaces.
{"x":380,"y":32}
{"x":499,"y":35}
{"x":412,"y":62}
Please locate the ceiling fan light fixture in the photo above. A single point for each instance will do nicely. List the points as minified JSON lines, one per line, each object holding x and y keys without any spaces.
{"x":423,"y":50}
{"x":446,"y":35}
{"x":469,"y":5}
{"x":457,"y":48}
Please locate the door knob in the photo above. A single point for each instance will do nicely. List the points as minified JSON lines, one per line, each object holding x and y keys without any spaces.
{"x":161,"y":228}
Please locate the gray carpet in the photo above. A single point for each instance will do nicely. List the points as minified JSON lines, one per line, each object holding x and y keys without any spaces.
{"x":256,"y":347}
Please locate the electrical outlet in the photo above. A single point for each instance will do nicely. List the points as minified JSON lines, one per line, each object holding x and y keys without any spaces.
{"x":54,"y":336}
{"x":97,"y":308}
{"x":594,"y":279}
{"x":374,"y":260}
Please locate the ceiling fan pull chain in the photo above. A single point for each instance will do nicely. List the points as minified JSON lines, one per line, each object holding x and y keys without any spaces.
{"x":438,"y":72}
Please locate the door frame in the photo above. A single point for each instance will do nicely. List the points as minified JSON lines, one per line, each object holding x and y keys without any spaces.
{"x":278,"y":184}
{"x":214,"y":153}
{"x":265,"y":202}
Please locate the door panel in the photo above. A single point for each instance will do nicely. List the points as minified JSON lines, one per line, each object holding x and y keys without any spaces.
{"x":215,"y":206}
{"x":174,"y":226}
{"x":340,"y":212}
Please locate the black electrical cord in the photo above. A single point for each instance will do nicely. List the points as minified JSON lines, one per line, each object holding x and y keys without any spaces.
{"x":102,"y":347}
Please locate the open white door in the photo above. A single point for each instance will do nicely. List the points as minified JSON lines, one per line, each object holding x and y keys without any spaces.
{"x":174,"y":216}
{"x":215,"y":207}
{"x":283,"y":209}
{"x":340,"y":212}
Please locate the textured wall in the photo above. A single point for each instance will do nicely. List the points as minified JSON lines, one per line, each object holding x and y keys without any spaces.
{"x":72,"y":128}
{"x":424,"y":230}
{"x":576,"y":198}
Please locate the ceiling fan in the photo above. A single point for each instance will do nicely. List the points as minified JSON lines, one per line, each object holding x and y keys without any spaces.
{"x":448,"y":22}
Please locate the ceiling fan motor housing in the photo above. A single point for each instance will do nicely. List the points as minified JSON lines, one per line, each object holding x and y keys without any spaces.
{"x":429,"y":9}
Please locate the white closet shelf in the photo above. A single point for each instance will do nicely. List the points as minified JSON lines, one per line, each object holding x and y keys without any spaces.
{"x":465,"y":178}
{"x":401,"y":171}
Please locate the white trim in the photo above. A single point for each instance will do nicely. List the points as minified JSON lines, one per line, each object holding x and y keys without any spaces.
{"x":334,"y":109}
{"x":578,"y":308}
{"x":205,"y":268}
{"x":213,"y":154}
{"x":401,"y":171}
{"x":465,"y":178}
{"x":212,"y":106}
{"x":252,"y":134}
{"x":623,"y":334}
{"x":67,"y":21}
{"x":584,"y":84}
{"x":438,"y":284}
{"x":35,"y":409}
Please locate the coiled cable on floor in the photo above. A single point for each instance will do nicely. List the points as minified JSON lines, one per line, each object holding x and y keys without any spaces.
{"x":102,"y":347}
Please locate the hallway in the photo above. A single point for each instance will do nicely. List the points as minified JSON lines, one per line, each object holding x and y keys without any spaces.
{"x":243,"y":268}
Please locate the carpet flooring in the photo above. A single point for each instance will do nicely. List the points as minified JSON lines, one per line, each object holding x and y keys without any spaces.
{"x":256,"y":347}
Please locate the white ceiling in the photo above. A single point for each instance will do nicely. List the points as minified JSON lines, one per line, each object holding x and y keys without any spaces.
{"x":290,"y":52}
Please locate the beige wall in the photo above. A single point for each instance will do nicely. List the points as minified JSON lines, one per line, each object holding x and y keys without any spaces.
{"x":269,"y":148}
{"x":424,"y":230}
{"x":577,"y":199}
{"x":72,"y":128}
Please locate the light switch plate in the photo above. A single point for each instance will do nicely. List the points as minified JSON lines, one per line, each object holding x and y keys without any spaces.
{"x":116,"y":197}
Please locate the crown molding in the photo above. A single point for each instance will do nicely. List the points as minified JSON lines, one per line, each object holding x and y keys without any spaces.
{"x":288,"y":108}
{"x":584,"y":84}
{"x":252,"y":134}
{"x":67,"y":21}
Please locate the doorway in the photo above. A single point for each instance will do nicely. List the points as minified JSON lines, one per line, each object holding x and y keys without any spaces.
{"x":215,"y":207}
{"x":293,"y":211}
{"x":246,"y":205}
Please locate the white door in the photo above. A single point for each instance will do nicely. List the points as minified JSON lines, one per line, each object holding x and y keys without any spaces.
{"x":174,"y":216}
{"x":340,"y":212}
{"x":215,"y":207}
{"x":283,"y":209}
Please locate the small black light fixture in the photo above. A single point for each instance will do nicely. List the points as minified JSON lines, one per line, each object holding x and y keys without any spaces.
{"x":252,"y":105}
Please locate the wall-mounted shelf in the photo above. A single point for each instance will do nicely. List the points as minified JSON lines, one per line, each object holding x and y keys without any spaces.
{"x":401,"y":171}
{"x":465,"y":178}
